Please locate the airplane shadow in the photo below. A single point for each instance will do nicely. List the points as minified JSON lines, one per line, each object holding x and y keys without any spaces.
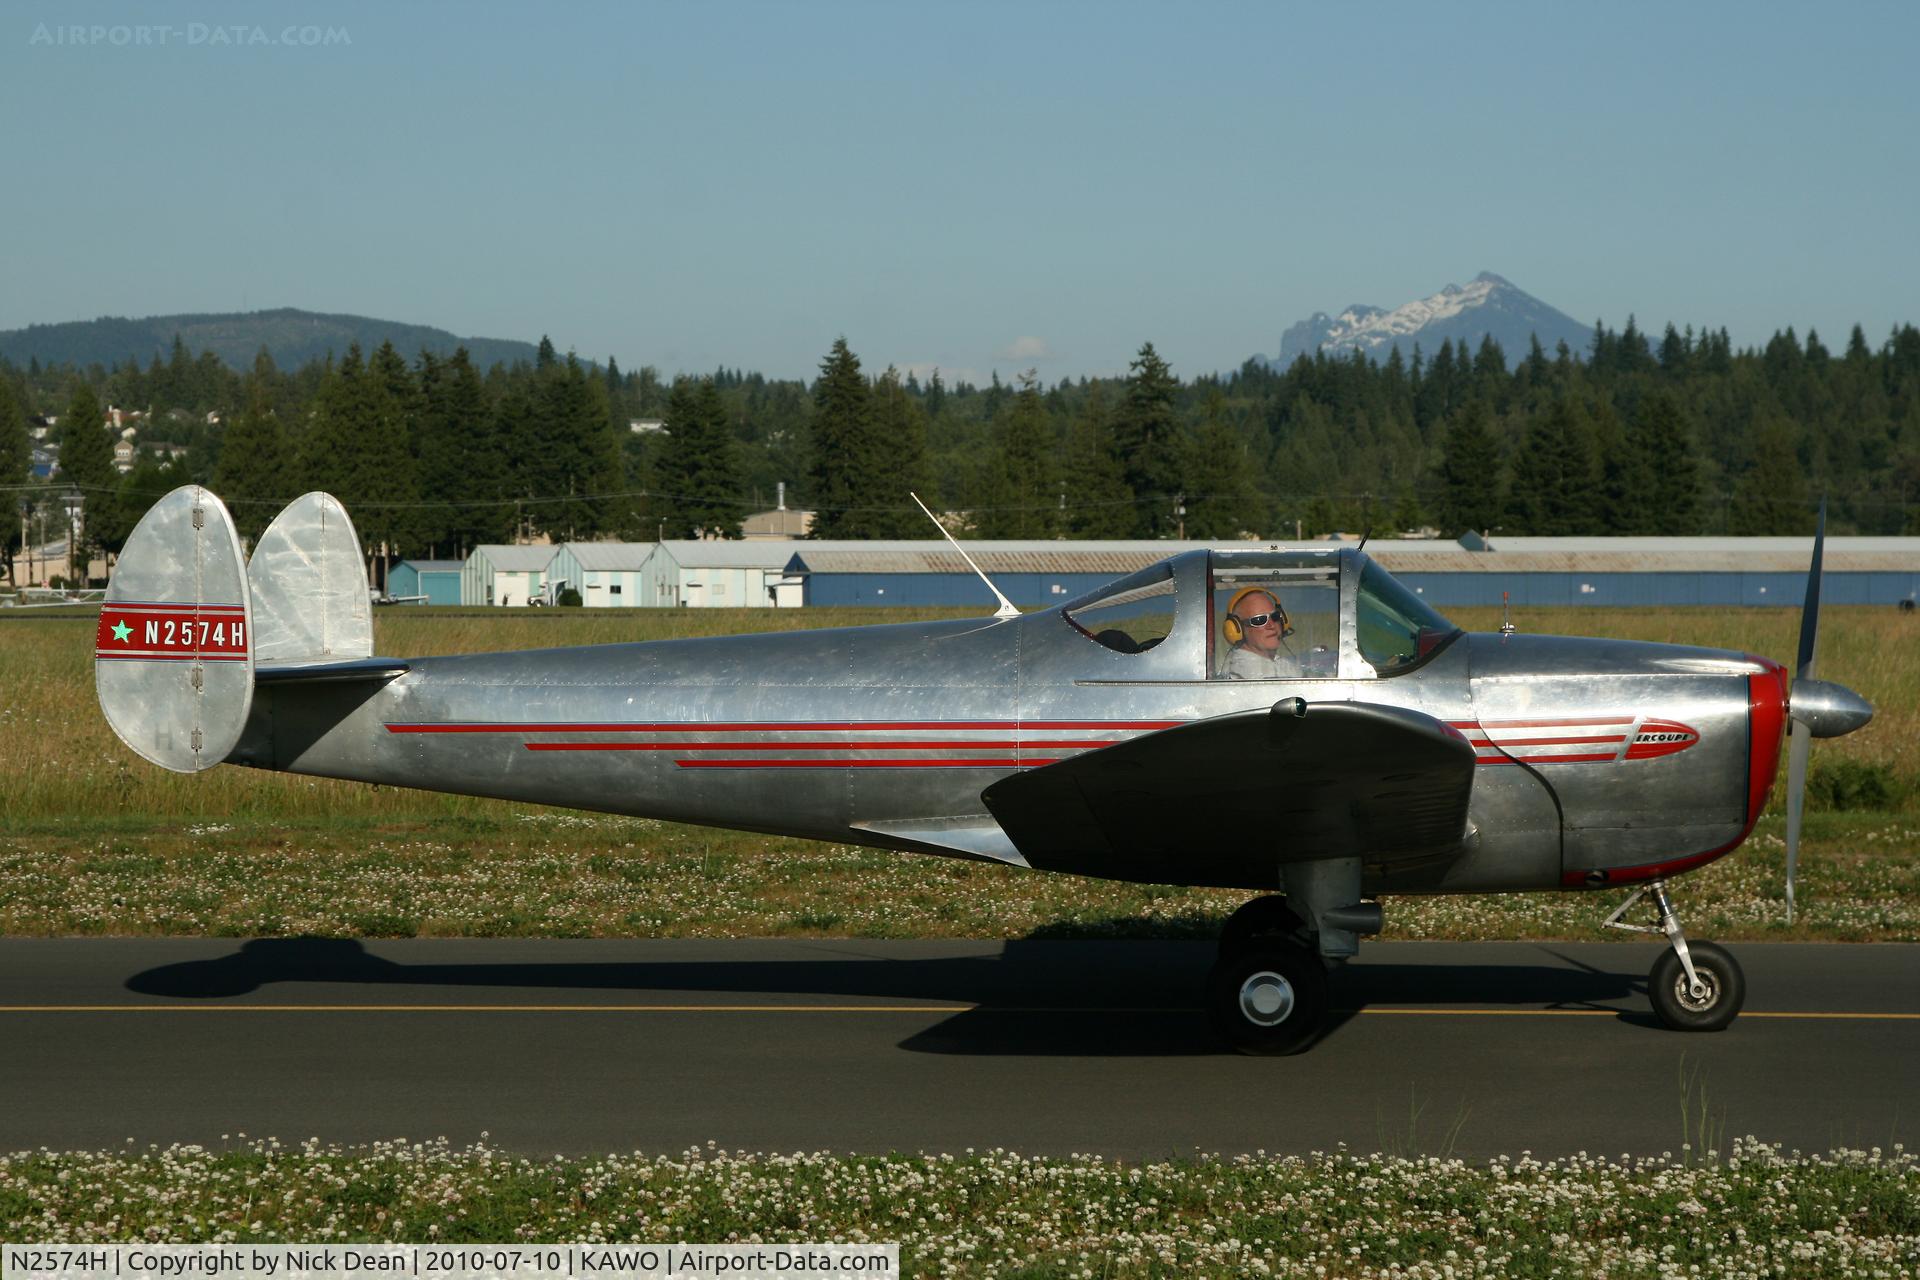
{"x":1083,"y":999}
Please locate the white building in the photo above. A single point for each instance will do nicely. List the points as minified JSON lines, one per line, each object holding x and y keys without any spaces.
{"x":720,"y":574}
{"x":606,"y":574}
{"x":505,"y":575}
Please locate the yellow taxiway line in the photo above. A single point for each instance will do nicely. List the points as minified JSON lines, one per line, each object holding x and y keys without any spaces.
{"x":861,"y":1008}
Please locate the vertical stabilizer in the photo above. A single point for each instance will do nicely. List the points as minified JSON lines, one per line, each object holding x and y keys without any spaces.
{"x":173,"y":656}
{"x":309,"y":586}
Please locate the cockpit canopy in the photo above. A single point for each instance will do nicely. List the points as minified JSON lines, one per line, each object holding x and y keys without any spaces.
{"x":1273,"y":615}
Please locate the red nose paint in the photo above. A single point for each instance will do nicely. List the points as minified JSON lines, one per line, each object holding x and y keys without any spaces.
{"x":1766,"y":724}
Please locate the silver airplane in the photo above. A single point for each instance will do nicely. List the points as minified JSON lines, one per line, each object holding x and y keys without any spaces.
{"x":1292,"y":722}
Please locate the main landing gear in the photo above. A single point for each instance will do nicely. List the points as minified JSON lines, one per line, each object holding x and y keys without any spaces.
{"x":1694,"y":986}
{"x":1267,"y":993}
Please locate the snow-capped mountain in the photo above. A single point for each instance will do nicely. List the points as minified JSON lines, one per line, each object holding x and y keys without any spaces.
{"x":1488,"y":305}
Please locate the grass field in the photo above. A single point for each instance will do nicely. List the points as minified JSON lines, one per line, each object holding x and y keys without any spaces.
{"x":1752,"y":1211}
{"x":95,"y":840}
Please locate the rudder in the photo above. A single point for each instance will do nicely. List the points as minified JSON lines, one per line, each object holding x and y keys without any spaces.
{"x":173,"y":654}
{"x":309,"y":586}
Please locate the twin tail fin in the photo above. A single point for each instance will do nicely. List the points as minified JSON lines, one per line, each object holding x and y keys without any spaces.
{"x":190,"y":626}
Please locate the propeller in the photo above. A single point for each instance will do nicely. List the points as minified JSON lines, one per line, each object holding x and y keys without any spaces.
{"x":1818,"y":708}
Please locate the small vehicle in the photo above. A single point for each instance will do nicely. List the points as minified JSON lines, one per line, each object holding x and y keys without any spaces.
{"x":1390,"y":754}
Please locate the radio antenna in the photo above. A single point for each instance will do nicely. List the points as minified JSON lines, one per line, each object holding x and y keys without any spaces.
{"x":1006,"y":609}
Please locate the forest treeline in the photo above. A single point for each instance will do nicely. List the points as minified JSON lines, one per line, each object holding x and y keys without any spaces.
{"x":1684,"y":435}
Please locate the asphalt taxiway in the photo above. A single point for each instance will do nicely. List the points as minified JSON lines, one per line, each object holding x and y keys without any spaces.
{"x":1036,"y":1046}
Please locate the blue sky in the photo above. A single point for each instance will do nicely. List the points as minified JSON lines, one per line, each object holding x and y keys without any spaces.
{"x":976,"y":186}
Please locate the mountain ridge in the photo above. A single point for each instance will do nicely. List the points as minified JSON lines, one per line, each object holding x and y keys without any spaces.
{"x":1489,"y":305}
{"x":292,"y":335}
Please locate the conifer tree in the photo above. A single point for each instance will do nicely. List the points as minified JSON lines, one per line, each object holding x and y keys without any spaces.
{"x":1770,"y":497}
{"x":900,"y":426}
{"x":463,"y":462}
{"x":357,"y":450}
{"x":1433,"y":402}
{"x":16,"y":462}
{"x":1556,"y":477}
{"x":1148,"y":439}
{"x":845,"y":450}
{"x":1626,"y":477}
{"x":255,"y":469}
{"x":1470,"y":472}
{"x":1669,"y":496}
{"x":86,"y":466}
{"x":699,"y":468}
{"x":1099,"y":504}
{"x":1223,"y":498}
{"x":577,"y":462}
{"x":1020,"y":496}
{"x":16,"y":445}
{"x":1533,"y":371}
{"x":513,"y":427}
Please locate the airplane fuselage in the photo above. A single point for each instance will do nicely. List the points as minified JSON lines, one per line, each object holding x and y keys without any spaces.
{"x":1596,"y":760}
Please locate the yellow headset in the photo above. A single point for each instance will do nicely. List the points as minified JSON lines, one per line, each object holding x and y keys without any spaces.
{"x":1230,"y":625}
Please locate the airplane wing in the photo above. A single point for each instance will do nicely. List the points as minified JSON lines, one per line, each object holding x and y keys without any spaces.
{"x":1228,"y":800}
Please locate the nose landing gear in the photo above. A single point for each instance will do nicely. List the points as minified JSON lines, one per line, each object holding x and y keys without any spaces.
{"x":1694,"y":987}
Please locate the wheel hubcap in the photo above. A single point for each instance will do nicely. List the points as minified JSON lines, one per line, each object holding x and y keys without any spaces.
{"x":1708,"y":996}
{"x":1266,"y":999}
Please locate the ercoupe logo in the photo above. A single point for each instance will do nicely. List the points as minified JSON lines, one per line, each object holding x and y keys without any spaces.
{"x":1661,"y":738}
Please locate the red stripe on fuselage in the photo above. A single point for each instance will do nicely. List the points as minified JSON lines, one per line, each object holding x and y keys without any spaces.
{"x":776,"y":726}
{"x":859,"y":764}
{"x":920,"y":745}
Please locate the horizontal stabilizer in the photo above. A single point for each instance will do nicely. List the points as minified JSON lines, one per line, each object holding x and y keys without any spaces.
{"x":358,"y":669}
{"x":309,"y":585}
{"x":1229,"y":800}
{"x":173,"y":655}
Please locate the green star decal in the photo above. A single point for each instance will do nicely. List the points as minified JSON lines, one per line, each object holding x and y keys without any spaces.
{"x":121,"y":631}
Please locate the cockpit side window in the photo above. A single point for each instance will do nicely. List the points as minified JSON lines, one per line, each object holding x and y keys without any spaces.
{"x":1130,"y":616}
{"x":1275,"y":621}
{"x":1397,"y":630}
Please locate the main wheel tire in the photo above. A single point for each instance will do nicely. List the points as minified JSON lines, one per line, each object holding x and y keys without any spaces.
{"x":1675,"y":1004}
{"x":1268,"y":999}
{"x":1265,"y":921}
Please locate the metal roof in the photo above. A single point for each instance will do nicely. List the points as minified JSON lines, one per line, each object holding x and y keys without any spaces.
{"x":515,"y":559}
{"x":434,"y":566}
{"x":1397,"y":555}
{"x":1650,"y":555}
{"x":609,"y":556}
{"x":690,"y":553}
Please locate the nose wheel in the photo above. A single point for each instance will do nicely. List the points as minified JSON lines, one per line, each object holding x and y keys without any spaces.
{"x":1694,"y":986}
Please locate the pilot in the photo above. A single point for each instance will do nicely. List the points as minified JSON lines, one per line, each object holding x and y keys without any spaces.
{"x":1255,"y":625}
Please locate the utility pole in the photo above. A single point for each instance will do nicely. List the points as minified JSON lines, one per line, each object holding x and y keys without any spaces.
{"x":74,"y":502}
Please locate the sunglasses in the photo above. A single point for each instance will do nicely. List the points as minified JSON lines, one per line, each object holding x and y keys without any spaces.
{"x":1257,"y":620}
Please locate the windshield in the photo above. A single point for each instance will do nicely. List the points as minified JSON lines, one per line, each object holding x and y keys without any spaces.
{"x":1397,"y":629}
